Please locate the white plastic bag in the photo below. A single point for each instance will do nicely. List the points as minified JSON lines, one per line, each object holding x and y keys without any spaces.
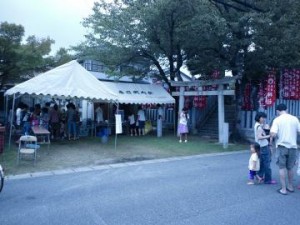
{"x":298,"y":169}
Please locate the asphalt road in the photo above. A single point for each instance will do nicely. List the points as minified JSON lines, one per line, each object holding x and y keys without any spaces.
{"x":197,"y":190}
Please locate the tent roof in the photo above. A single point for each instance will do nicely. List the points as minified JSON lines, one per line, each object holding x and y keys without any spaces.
{"x":131,"y":93}
{"x":69,"y":80}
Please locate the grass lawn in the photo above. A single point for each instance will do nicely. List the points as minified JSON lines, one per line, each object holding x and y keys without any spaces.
{"x":90,"y":151}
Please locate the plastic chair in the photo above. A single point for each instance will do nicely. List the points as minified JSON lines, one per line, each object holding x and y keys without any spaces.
{"x":27,"y":146}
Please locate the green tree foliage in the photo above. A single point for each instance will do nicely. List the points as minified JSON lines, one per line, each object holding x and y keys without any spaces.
{"x":262,"y":34}
{"x":243,"y":36}
{"x":10,"y":40}
{"x":276,"y":34}
{"x":62,"y":56}
{"x":155,"y":31}
{"x":34,"y":56}
{"x":20,"y":61}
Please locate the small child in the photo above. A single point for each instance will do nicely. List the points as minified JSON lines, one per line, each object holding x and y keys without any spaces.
{"x":254,"y":163}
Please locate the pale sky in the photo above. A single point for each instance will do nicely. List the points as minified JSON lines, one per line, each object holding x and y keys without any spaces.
{"x":58,"y":19}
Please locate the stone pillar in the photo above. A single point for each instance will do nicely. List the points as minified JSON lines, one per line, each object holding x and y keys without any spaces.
{"x":221,"y":112}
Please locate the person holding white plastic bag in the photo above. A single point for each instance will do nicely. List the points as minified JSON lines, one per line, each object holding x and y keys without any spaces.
{"x":285,"y":128}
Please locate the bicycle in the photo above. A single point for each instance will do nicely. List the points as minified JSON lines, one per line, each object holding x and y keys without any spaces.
{"x":1,"y":178}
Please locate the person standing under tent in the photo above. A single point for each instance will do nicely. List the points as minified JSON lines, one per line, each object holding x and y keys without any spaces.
{"x":141,"y":120}
{"x":54,"y":121}
{"x":132,"y":125}
{"x":71,"y":121}
{"x":44,"y":118}
{"x":26,"y":120}
{"x":99,"y":114}
{"x":19,"y":115}
{"x":160,"y":117}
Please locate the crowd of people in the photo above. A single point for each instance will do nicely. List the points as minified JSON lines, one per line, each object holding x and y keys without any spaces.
{"x":137,"y":122}
{"x":62,"y":123}
{"x":279,"y":139}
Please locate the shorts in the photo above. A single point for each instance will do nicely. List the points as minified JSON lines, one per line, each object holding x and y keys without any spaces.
{"x":252,"y":174}
{"x":286,"y":157}
{"x":132,"y":126}
{"x":72,"y":128}
{"x":141,"y":124}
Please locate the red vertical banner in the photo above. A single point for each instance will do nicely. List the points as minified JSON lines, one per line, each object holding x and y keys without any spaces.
{"x":285,"y":84}
{"x":297,"y":81}
{"x":294,"y":84}
{"x":199,"y":101}
{"x":290,"y":84}
{"x":270,"y":89}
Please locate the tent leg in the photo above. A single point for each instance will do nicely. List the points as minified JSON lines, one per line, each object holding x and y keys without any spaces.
{"x":6,"y":110}
{"x":11,"y":120}
{"x":174,"y":122}
{"x":116,"y":135}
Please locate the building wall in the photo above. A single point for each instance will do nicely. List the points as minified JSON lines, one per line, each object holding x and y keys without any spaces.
{"x":247,"y":117}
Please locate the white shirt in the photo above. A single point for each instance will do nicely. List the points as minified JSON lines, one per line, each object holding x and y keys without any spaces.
{"x":141,"y":115}
{"x":254,"y":160}
{"x":160,"y":113}
{"x":259,"y":130}
{"x":287,"y":128}
{"x":183,"y":118}
{"x":131,"y":119}
{"x":99,"y":114}
{"x":18,"y":116}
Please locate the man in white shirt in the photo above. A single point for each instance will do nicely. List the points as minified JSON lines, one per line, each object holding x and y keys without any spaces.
{"x":141,"y":119}
{"x":99,"y":114}
{"x":285,"y":128}
{"x":19,"y":115}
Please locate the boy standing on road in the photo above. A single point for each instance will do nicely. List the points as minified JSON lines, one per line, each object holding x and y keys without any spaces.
{"x":285,"y":128}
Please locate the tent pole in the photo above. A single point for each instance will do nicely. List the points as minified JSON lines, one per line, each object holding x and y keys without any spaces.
{"x":11,"y":120}
{"x":174,"y":122}
{"x":6,"y":117}
{"x":116,"y":135}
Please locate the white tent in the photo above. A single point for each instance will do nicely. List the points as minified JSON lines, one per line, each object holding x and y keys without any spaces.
{"x":69,"y":80}
{"x":131,"y":93}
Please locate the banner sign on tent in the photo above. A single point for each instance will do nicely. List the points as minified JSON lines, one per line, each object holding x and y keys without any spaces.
{"x":118,"y":124}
